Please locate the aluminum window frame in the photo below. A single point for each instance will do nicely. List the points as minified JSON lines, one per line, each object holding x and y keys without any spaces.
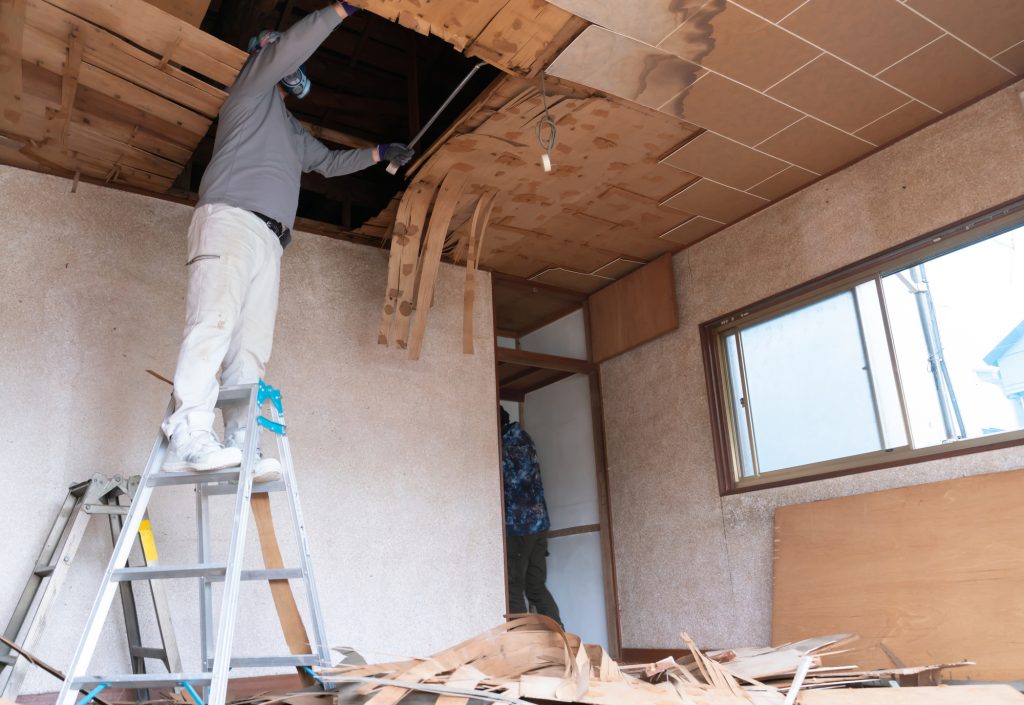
{"x":965,"y":233}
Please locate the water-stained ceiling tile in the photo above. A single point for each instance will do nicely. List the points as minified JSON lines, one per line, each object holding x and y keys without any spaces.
{"x":740,"y":45}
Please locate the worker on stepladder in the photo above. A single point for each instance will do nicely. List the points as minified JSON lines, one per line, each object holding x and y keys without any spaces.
{"x":240,"y":227}
{"x":526,"y":520}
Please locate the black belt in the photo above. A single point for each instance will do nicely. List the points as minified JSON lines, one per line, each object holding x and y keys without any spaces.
{"x":284,"y":234}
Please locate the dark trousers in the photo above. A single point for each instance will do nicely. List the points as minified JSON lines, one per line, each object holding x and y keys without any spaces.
{"x":527,"y":573}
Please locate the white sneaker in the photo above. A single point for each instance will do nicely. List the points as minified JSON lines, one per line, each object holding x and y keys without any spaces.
{"x":267,"y":469}
{"x":199,"y":451}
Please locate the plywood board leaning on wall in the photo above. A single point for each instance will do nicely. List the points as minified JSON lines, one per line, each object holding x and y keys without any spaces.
{"x":633,"y":310}
{"x":931,"y":573}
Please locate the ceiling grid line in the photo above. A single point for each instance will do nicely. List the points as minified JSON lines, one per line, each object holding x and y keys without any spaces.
{"x":882,"y":117}
{"x":920,"y":48}
{"x":838,"y":58}
{"x":955,"y":36}
{"x":795,"y":71}
{"x":995,"y":57}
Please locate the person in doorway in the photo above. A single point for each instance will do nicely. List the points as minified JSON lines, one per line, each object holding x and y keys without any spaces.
{"x":240,"y":227}
{"x":526,"y":520}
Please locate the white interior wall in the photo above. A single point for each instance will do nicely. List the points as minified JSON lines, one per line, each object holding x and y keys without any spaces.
{"x":566,"y":337}
{"x":93,"y":286}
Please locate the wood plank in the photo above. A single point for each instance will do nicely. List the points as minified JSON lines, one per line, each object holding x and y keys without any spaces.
{"x":12,"y":22}
{"x":932,"y":571}
{"x":477,"y":230}
{"x":440,"y":219}
{"x":634,"y":310}
{"x":928,"y":695}
{"x":95,"y":104}
{"x":82,"y":138}
{"x":190,"y":11}
{"x":133,"y":136}
{"x":156,"y":30}
{"x":117,"y":56}
{"x":399,"y":240}
{"x":57,"y":124}
{"x":543,"y":361}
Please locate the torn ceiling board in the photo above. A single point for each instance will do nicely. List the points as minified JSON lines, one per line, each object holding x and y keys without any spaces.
{"x":517,"y":36}
{"x":113,"y":92}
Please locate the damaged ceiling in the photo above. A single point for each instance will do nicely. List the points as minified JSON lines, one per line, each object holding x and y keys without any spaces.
{"x":674,"y":118}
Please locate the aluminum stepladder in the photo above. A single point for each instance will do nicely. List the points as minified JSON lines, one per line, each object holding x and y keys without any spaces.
{"x":216,"y":644}
{"x":100,"y":495}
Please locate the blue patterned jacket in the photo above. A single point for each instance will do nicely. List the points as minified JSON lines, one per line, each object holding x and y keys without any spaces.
{"x":525,"y":510}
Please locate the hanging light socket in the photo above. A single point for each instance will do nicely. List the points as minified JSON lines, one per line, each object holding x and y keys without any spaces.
{"x":545,"y":160}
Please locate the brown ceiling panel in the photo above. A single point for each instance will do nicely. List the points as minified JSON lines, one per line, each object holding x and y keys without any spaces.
{"x":991,"y":26}
{"x":783,"y":183}
{"x":837,"y":93}
{"x":871,"y":34}
{"x":624,"y":67}
{"x":945,"y":74}
{"x":724,"y":160}
{"x":650,"y":24}
{"x":640,"y":215}
{"x":717,"y":103}
{"x":815,"y":146}
{"x":744,"y":47}
{"x":1012,"y":59}
{"x":897,"y":123}
{"x":773,"y":10}
{"x":696,"y":228}
{"x":521,"y":307}
{"x":650,"y":177}
{"x":618,"y":268}
{"x":715,"y":201}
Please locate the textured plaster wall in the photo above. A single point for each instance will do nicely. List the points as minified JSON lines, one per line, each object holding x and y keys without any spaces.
{"x":687,"y":558}
{"x":93,"y":287}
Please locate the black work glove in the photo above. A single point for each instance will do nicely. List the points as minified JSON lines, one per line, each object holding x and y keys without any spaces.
{"x":395,"y":152}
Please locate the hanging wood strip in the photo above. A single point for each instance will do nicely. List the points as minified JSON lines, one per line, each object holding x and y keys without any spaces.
{"x":477,"y":228}
{"x":398,"y":242}
{"x":440,"y":219}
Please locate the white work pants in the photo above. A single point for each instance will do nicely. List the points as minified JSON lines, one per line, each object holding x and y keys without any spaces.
{"x":234,"y":270}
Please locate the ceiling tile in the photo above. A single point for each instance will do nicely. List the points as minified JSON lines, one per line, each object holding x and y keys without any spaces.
{"x":724,"y":160}
{"x":871,"y":34}
{"x":897,"y":123}
{"x":991,"y":26}
{"x":657,"y":180}
{"x":715,"y":201}
{"x":694,"y":229}
{"x":815,"y":146}
{"x":743,"y":47}
{"x":716,"y":103}
{"x":945,"y":74}
{"x":773,"y":10}
{"x":783,"y":183}
{"x":624,"y":67}
{"x":656,"y":21}
{"x":839,"y":94}
{"x":574,"y":281}
{"x":1013,"y":59}
{"x":618,"y":268}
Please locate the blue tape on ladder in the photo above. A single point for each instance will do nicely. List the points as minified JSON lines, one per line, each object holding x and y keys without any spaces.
{"x":192,"y":692}
{"x":93,"y":693}
{"x":278,"y":428}
{"x":264,"y":393}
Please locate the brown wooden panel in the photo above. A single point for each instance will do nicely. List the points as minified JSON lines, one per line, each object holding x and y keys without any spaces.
{"x":633,"y":310}
{"x":932,"y":571}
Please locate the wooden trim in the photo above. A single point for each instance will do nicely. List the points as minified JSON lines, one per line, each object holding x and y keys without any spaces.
{"x":505,"y":333}
{"x":943,"y":240}
{"x":501,"y":456}
{"x":571,"y":531}
{"x":539,"y":286}
{"x":545,"y":362}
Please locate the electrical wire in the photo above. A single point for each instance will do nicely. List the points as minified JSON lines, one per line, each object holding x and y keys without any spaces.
{"x":546,"y":121}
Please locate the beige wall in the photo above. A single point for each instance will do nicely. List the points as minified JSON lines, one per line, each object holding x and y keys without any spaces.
{"x":687,"y":558}
{"x":92,"y":289}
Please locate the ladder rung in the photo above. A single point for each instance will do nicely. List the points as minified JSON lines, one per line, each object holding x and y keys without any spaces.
{"x":272,"y":574}
{"x":199,"y":570}
{"x":269,"y":661}
{"x":232,"y":488}
{"x":194,"y":478}
{"x":44,"y":571}
{"x":9,"y":659}
{"x":143,"y":680}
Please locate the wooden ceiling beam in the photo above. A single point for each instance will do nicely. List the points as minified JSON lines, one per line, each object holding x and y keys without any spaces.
{"x":544,"y":362}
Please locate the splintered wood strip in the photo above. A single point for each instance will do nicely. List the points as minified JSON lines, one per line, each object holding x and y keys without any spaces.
{"x":444,"y":209}
{"x":466,"y":678}
{"x":93,"y":103}
{"x":82,"y":138}
{"x":133,"y":136}
{"x":423,"y":195}
{"x":154,"y":29}
{"x":399,"y":240}
{"x":12,"y":22}
{"x":117,"y":56}
{"x":477,"y":228}
{"x":295,"y":634}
